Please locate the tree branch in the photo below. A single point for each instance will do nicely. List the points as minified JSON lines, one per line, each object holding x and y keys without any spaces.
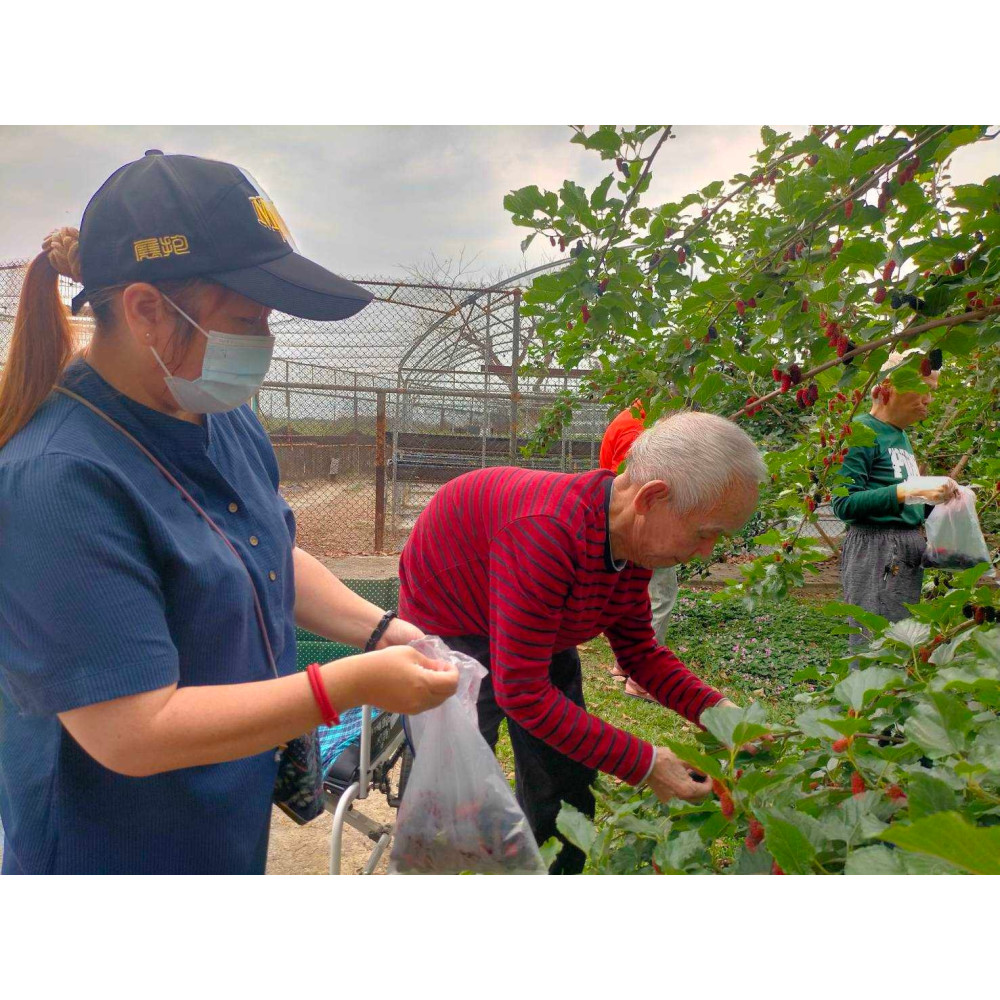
{"x":975,"y":316}
{"x":632,"y":196}
{"x":960,"y":464}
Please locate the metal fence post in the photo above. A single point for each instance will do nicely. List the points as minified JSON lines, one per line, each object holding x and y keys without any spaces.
{"x":288,"y":403}
{"x":515,"y":358}
{"x":379,"y":471}
{"x":562,"y":436}
{"x":488,"y":360}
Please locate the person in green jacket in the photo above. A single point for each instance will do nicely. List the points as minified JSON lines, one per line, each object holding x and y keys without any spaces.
{"x":880,"y":560}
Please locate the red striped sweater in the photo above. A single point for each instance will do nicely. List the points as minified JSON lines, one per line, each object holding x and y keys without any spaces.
{"x":524,"y":557}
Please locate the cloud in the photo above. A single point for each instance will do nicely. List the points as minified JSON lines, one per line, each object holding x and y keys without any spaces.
{"x":371,"y":200}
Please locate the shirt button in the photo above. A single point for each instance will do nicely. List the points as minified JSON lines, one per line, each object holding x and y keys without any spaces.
{"x":233,"y":508}
{"x":272,"y":575}
{"x":254,"y":539}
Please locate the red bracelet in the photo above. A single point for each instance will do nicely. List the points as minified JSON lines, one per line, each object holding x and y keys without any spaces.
{"x":326,"y":709}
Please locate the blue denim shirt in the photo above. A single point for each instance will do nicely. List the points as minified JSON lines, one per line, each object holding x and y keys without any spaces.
{"x":112,"y":585}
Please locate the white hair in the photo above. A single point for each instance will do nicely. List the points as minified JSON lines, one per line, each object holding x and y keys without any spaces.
{"x":895,"y":360}
{"x":699,"y":455}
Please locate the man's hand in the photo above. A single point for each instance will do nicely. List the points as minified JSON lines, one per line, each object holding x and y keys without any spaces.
{"x":932,"y":495}
{"x":671,"y":779}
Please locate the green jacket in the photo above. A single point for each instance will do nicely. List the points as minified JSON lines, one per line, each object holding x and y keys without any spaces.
{"x":875,"y":471}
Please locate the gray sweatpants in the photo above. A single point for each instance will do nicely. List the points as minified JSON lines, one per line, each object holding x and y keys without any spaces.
{"x":880,"y":571}
{"x":662,"y":596}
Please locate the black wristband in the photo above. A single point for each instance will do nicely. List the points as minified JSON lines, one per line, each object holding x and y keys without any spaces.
{"x":379,"y":631}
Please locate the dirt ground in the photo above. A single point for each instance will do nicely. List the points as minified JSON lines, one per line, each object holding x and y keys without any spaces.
{"x":333,"y":517}
{"x":337,"y":517}
{"x":305,"y":850}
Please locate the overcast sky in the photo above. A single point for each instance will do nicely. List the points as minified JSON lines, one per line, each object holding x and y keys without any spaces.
{"x":370,"y":200}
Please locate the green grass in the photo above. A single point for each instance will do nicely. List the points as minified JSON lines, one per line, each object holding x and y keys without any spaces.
{"x":749,"y":657}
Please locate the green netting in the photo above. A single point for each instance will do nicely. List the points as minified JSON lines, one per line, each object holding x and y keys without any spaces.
{"x":384,"y":593}
{"x":312,"y":648}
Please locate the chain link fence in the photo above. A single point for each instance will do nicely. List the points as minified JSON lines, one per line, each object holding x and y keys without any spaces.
{"x":370,"y":415}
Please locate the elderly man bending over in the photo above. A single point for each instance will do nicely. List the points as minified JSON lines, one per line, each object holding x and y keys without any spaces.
{"x":517,"y":567}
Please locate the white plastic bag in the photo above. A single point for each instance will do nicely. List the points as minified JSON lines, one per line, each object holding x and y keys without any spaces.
{"x":954,"y":538}
{"x":458,"y":812}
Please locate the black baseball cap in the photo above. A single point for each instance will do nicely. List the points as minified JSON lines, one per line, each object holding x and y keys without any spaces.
{"x":164,"y":218}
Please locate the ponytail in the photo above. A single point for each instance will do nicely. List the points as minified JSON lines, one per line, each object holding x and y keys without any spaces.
{"x":43,"y":340}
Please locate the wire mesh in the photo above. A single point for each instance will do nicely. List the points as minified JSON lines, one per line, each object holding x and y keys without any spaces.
{"x":370,"y":415}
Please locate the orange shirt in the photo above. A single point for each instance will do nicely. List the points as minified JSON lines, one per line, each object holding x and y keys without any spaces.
{"x":618,"y":438}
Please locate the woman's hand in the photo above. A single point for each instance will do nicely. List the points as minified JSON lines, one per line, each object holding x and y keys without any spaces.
{"x":399,"y":633}
{"x":399,"y":679}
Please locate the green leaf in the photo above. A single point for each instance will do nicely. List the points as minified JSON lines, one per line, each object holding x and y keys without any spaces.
{"x":710,"y":387}
{"x":948,"y":836}
{"x":751,"y":862}
{"x":923,"y":864}
{"x":945,"y":653}
{"x":526,"y":242}
{"x":720,"y":721}
{"x":862,"y":436}
{"x":599,"y":199}
{"x":861,"y":254}
{"x":643,"y":827}
{"x":907,"y":378}
{"x":673,"y":854}
{"x":576,"y":827}
{"x":989,"y":642}
{"x":605,"y":140}
{"x":926,"y":795}
{"x":855,"y":819}
{"x":961,"y":136}
{"x":815,"y":723}
{"x":575,"y":199}
{"x":986,"y":747}
{"x":733,"y":726}
{"x":853,"y":690}
{"x":970,"y":577}
{"x":624,"y":861}
{"x":909,"y":632}
{"x":788,"y":844}
{"x":550,"y":850}
{"x":939,"y":725}
{"x":528,"y":200}
{"x":640,"y":217}
{"x":700,"y":762}
{"x":875,"y":860}
{"x":871,"y":621}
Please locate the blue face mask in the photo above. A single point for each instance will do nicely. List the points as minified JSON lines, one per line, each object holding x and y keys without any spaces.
{"x":233,"y":369}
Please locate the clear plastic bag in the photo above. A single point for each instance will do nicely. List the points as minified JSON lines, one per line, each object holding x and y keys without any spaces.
{"x":918,"y":483}
{"x":954,"y":538}
{"x":458,"y":812}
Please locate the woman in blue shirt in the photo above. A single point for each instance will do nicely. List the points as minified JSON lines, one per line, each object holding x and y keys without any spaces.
{"x":149,"y":580}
